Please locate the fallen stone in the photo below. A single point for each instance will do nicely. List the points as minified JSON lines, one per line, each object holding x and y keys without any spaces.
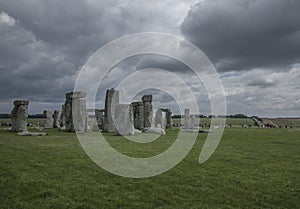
{"x":155,"y":130}
{"x":27,"y":133}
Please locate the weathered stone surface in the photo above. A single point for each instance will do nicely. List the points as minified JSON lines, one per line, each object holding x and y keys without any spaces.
{"x":123,"y":119}
{"x":193,"y":122}
{"x":147,"y":98}
{"x":158,"y":118}
{"x":99,"y":114}
{"x":56,"y":118}
{"x":19,"y":115}
{"x":190,"y":122}
{"x":62,"y":120}
{"x":111,"y":100}
{"x":75,"y":112}
{"x":79,"y":114}
{"x":186,"y":124}
{"x":49,"y":119}
{"x":147,"y":101}
{"x":138,"y":114}
{"x":68,"y":116}
{"x":169,"y":123}
{"x":75,"y":95}
{"x":21,"y":102}
{"x":155,"y":130}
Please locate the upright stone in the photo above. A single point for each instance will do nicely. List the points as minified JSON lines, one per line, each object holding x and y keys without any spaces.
{"x":56,"y":119}
{"x":75,"y":111}
{"x":158,"y":119}
{"x":99,"y":114}
{"x":19,"y":116}
{"x":123,"y":119}
{"x":147,"y":101}
{"x":169,"y":119}
{"x":62,"y":121}
{"x":111,"y":100}
{"x":49,"y":119}
{"x":138,"y":114}
{"x":193,"y":122}
{"x":186,"y":124}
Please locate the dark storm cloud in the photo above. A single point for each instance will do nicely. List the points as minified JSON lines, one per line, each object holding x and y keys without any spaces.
{"x":241,"y":35}
{"x":44,"y":43}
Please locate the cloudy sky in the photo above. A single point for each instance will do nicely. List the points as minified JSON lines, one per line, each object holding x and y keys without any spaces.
{"x":253,"y":44}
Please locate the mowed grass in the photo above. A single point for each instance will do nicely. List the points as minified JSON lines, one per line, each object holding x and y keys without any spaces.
{"x":251,"y":168}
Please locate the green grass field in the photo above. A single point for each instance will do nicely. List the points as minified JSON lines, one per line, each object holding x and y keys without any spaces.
{"x":251,"y":168}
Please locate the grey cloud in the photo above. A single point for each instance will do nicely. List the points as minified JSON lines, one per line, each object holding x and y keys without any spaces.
{"x":44,"y":43}
{"x":241,"y":35}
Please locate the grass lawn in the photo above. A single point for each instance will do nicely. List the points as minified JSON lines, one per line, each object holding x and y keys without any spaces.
{"x":251,"y":168}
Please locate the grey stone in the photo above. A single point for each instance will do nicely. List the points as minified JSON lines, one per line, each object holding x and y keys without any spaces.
{"x":147,"y":98}
{"x":193,"y":122}
{"x":56,"y":118}
{"x":169,"y":121}
{"x":75,"y":95}
{"x":158,"y":118}
{"x":155,"y":130}
{"x":186,"y":124}
{"x":111,"y":100}
{"x":138,"y":114}
{"x":190,"y":122}
{"x":75,"y":112}
{"x":147,"y":101}
{"x":21,"y":102}
{"x":49,"y":119}
{"x":123,"y":119}
{"x":62,"y":120}
{"x":19,"y":115}
{"x":99,"y":114}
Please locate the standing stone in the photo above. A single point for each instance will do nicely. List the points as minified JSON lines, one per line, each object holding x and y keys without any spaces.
{"x":147,"y":101}
{"x":56,"y":118}
{"x":49,"y":119}
{"x":111,"y":100}
{"x":193,"y":122}
{"x":123,"y":119}
{"x":62,"y":121}
{"x":19,"y":116}
{"x":169,"y":119}
{"x":138,"y":115}
{"x":186,"y":124}
{"x":75,"y":111}
{"x":158,"y":119}
{"x":99,"y":114}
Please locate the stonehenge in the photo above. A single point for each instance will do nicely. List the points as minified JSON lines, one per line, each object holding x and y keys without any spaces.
{"x":122,"y":119}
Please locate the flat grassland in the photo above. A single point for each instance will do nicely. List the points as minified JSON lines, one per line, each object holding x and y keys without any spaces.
{"x":251,"y":168}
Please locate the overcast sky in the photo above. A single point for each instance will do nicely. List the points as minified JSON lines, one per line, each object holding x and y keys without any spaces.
{"x":253,"y":44}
